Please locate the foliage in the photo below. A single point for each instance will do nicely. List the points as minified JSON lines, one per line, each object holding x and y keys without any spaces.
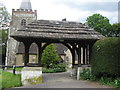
{"x":3,"y":41}
{"x":10,"y":80}
{"x":55,"y":69}
{"x":85,"y":74}
{"x":3,"y":44}
{"x":59,"y":67}
{"x":110,"y":81}
{"x":50,"y":56}
{"x":48,"y":70}
{"x":5,"y":15}
{"x":116,"y":29}
{"x":100,"y":24}
{"x":106,"y":58}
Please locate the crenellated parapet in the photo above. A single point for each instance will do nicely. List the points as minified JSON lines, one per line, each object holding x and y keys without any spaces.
{"x":25,"y":10}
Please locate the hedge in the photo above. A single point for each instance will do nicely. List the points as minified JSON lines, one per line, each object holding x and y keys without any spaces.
{"x":106,"y":57}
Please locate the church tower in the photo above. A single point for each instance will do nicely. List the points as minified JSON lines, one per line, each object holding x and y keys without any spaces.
{"x":20,"y":17}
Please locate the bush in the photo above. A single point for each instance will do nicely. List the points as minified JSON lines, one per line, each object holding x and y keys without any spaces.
{"x":55,"y":68}
{"x":110,"y":81}
{"x":45,"y":70}
{"x":59,"y":67}
{"x":106,"y":58}
{"x":50,"y":56}
{"x":85,"y":74}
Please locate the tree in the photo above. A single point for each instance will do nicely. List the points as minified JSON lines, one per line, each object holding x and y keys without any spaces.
{"x":3,"y":44}
{"x":50,"y":56}
{"x":100,"y":24}
{"x":116,"y":29}
{"x":4,"y":17}
{"x":4,"y":26}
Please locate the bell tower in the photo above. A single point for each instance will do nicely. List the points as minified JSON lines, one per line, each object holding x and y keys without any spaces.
{"x":20,"y":18}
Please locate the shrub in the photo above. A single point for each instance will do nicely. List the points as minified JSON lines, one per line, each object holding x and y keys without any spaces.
{"x":45,"y":70}
{"x":50,"y":56}
{"x":110,"y":81}
{"x":85,"y":74}
{"x":106,"y":58}
{"x":55,"y":68}
{"x":59,"y":67}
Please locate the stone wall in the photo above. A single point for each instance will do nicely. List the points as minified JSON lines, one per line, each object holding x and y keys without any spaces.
{"x":31,"y":75}
{"x":12,"y":45}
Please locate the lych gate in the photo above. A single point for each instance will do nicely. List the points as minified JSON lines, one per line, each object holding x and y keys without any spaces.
{"x":73,"y":35}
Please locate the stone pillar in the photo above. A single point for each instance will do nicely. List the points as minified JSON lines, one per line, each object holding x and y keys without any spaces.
{"x":78,"y":73}
{"x":80,"y":70}
{"x":31,"y":75}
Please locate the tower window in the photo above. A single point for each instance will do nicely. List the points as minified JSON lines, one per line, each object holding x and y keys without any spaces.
{"x":23,"y":22}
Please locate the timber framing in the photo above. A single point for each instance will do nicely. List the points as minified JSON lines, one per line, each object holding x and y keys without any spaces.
{"x":74,"y":35}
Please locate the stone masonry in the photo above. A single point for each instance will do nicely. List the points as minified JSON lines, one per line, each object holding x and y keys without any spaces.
{"x":20,"y":18}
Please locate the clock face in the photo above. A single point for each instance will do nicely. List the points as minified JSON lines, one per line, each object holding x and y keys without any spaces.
{"x":24,"y":15}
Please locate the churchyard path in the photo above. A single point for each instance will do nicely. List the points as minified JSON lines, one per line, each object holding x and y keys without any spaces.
{"x":64,"y":80}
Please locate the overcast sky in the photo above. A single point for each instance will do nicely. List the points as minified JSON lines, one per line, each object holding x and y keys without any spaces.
{"x":72,"y":10}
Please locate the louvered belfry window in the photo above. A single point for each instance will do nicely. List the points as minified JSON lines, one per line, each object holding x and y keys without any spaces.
{"x":23,"y":22}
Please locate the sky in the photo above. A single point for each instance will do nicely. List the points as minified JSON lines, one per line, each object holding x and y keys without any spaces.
{"x":72,"y":10}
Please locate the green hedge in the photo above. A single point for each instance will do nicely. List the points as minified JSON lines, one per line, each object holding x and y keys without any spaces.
{"x":106,"y":57}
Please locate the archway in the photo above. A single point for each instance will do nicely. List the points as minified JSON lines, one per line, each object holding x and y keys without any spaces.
{"x":76,"y":36}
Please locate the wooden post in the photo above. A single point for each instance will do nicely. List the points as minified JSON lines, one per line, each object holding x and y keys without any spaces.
{"x":83,"y":54}
{"x":79,"y":55}
{"x":26,"y":59}
{"x":87,"y":55}
{"x":73,"y":57}
{"x":39,"y":53}
{"x":14,"y":69}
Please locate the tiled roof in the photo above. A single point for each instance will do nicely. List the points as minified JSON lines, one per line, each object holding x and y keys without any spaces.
{"x":58,"y":30}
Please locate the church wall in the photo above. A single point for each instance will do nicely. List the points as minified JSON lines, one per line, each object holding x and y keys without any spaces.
{"x":12,"y":45}
{"x":20,"y":59}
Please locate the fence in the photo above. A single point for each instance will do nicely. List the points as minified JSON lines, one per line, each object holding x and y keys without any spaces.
{"x":13,"y":66}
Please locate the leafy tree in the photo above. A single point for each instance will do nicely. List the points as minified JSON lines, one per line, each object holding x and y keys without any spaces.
{"x":4,"y":15}
{"x":3,"y":43}
{"x":50,"y":56}
{"x":4,"y":26}
{"x":100,"y":24}
{"x":116,"y":29}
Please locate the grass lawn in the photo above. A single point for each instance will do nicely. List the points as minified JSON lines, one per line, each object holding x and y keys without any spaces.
{"x":8,"y":80}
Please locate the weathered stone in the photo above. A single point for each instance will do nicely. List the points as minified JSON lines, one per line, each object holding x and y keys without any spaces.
{"x":31,"y":75}
{"x":80,"y":70}
{"x":17,"y":17}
